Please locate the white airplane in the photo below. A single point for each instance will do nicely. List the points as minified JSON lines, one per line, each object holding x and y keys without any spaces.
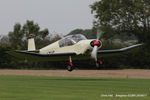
{"x":72,"y":47}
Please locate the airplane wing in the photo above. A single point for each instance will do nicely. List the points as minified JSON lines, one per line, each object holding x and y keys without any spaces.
{"x":33,"y":56}
{"x":119,"y":50}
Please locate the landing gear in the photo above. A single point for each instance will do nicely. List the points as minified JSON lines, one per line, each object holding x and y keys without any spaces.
{"x":99,"y":64}
{"x":70,"y":66}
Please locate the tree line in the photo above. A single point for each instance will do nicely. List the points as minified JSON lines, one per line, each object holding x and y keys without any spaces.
{"x":123,"y":23}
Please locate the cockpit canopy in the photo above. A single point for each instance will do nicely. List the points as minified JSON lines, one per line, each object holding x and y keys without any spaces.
{"x":71,"y":40}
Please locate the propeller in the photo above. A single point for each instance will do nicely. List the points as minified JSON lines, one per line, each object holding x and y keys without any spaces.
{"x":99,"y":33}
{"x":94,"y":53}
{"x":96,"y":44}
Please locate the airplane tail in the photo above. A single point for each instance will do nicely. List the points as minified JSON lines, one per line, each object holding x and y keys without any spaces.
{"x":31,"y":44}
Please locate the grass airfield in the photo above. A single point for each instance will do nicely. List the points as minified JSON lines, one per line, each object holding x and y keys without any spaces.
{"x":14,"y":87}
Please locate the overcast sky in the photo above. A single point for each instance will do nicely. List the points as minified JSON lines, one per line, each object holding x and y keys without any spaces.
{"x":59,"y":16}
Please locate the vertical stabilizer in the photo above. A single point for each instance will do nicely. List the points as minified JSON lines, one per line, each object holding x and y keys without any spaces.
{"x":31,"y":44}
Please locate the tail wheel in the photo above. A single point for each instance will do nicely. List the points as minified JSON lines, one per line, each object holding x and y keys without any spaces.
{"x":99,"y":64}
{"x":70,"y":67}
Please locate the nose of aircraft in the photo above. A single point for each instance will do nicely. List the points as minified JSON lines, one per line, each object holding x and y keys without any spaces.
{"x":95,"y":43}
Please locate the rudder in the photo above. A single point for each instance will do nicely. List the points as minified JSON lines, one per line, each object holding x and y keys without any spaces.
{"x":31,"y":44}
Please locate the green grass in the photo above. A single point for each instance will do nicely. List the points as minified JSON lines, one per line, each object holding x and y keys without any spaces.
{"x":68,"y":88}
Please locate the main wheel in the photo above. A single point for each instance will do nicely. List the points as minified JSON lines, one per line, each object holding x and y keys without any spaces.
{"x":99,"y":64}
{"x":70,"y":68}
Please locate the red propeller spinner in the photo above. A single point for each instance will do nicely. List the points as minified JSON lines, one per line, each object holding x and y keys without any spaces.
{"x":95,"y":43}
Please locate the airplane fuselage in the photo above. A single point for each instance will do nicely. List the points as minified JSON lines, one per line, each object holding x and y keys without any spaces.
{"x":79,"y":48}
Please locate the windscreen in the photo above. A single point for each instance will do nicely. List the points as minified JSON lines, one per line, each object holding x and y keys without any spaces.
{"x":71,"y":40}
{"x":76,"y":38}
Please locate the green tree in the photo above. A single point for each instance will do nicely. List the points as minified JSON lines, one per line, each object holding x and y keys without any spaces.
{"x":5,"y":59}
{"x":123,"y":16}
{"x":18,"y":38}
{"x":4,"y":39}
{"x":31,"y":29}
{"x":89,"y":33}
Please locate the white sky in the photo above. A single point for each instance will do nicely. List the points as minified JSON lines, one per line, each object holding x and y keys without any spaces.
{"x":59,"y":16}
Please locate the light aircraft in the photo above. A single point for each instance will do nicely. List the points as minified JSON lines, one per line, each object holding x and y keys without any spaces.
{"x":72,"y":47}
